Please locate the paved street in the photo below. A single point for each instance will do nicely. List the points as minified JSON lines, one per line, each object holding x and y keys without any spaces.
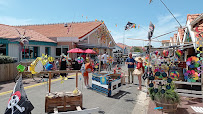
{"x":121,"y":103}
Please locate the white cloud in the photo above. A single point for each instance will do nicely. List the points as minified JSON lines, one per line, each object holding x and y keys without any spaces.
{"x":163,"y":25}
{"x":14,"y":21}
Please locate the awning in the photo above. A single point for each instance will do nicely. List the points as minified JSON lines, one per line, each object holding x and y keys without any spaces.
{"x":93,"y":46}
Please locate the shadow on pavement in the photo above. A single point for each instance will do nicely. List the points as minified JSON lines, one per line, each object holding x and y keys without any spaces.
{"x":101,"y":112}
{"x":1,"y":88}
{"x":120,"y":94}
{"x":180,"y":111}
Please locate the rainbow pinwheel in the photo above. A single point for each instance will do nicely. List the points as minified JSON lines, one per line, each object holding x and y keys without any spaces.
{"x":179,"y":53}
{"x":193,"y":62}
{"x":191,"y":76}
{"x":174,"y":75}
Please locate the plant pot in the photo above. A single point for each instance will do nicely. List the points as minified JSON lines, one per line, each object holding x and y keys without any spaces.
{"x":167,"y":107}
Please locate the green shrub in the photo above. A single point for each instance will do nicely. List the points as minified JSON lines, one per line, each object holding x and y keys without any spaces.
{"x":169,"y":97}
{"x":6,"y":59}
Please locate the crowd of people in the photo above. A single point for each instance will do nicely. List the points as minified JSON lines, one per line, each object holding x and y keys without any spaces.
{"x":135,"y":66}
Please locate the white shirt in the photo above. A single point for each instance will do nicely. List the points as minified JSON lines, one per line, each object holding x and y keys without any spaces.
{"x":104,"y":56}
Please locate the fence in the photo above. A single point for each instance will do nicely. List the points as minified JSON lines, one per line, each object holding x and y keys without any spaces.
{"x":8,"y":71}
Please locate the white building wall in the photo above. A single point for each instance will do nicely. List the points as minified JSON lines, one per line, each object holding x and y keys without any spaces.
{"x":13,"y":50}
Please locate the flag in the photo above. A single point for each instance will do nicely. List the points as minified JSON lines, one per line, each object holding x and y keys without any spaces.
{"x":130,"y":25}
{"x":134,"y":26}
{"x":138,"y":26}
{"x":116,"y":25}
{"x":18,"y":102}
{"x":151,"y":30}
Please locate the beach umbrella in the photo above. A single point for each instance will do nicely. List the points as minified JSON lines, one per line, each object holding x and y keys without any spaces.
{"x":76,"y":50}
{"x":90,"y":51}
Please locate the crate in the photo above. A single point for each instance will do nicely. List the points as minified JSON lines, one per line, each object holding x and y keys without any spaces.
{"x":63,"y":101}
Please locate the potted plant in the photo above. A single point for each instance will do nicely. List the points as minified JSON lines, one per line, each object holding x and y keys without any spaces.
{"x":166,"y":98}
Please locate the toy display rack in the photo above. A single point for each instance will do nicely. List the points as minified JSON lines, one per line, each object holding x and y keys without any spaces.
{"x":108,"y":84}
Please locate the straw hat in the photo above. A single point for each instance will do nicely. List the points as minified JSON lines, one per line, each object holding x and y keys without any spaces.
{"x":139,"y":59}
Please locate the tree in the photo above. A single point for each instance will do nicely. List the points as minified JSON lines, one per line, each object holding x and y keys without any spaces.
{"x":135,"y":49}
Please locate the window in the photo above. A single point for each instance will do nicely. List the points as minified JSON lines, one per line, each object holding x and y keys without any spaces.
{"x":62,"y":49}
{"x":65,"y":49}
{"x":47,"y":50}
{"x":58,"y":51}
{"x":30,"y":52}
{"x":3,"y":49}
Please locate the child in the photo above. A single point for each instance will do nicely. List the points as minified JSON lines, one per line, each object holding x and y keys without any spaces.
{"x":88,"y":69}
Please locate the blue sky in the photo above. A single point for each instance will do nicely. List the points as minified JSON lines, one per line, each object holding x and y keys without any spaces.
{"x":112,"y":12}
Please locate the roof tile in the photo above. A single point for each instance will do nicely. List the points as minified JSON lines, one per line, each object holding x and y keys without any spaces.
{"x":7,"y":31}
{"x":58,"y":30}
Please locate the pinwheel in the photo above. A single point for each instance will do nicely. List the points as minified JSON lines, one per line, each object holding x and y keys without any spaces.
{"x":191,"y":76}
{"x":174,"y":75}
{"x":80,"y":60}
{"x":179,"y":53}
{"x":193,"y":62}
{"x":21,"y":68}
{"x":165,"y":53}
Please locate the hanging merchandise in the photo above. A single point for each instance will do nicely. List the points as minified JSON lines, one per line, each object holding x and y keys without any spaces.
{"x":156,"y":52}
{"x":193,"y":62}
{"x":191,"y":76}
{"x":174,"y":75}
{"x":20,"y":68}
{"x":179,"y":53}
{"x":165,"y":53}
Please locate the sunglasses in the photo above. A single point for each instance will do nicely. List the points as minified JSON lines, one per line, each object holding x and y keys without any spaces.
{"x":161,"y":74}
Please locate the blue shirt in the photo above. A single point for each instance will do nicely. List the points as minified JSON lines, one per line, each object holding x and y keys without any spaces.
{"x":131,"y":60}
{"x":49,"y":66}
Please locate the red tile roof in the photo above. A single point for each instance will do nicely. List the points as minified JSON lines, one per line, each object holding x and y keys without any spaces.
{"x":121,"y":45}
{"x":7,"y":31}
{"x":191,"y":17}
{"x":165,"y":41}
{"x":181,"y":34}
{"x":199,"y":26}
{"x":58,"y":30}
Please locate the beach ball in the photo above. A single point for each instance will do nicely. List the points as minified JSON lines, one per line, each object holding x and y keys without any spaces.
{"x":80,"y":59}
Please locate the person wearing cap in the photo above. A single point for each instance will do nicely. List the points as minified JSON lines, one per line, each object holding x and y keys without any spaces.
{"x":139,"y":71}
{"x":131,"y":65}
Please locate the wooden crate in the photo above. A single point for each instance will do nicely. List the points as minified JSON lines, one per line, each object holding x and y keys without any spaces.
{"x":63,"y":101}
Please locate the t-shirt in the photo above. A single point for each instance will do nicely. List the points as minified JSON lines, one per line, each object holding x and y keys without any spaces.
{"x":130,"y":60}
{"x":49,"y":66}
{"x":104,"y":56}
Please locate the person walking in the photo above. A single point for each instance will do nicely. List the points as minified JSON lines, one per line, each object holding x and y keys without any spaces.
{"x":131,"y":64}
{"x":104,"y":57}
{"x":139,"y":71}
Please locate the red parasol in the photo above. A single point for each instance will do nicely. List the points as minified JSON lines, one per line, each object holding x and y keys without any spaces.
{"x":76,"y":50}
{"x":90,"y":51}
